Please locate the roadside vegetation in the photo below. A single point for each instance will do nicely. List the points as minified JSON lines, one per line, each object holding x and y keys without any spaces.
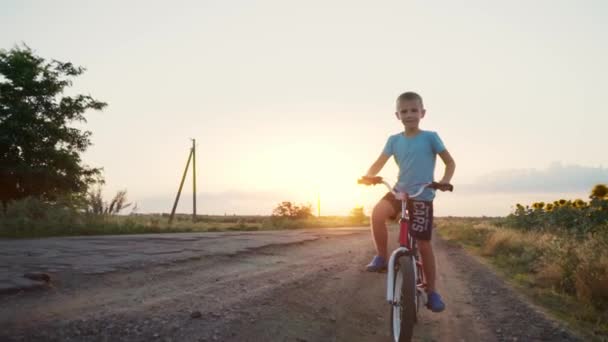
{"x":556,"y":252}
{"x":31,"y":218}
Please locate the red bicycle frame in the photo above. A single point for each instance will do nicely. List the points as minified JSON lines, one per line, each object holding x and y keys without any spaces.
{"x":404,"y":227}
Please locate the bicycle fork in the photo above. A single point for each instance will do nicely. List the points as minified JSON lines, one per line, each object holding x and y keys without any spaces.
{"x":390,"y":286}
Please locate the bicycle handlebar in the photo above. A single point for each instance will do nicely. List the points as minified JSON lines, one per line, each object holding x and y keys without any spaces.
{"x":365,"y":180}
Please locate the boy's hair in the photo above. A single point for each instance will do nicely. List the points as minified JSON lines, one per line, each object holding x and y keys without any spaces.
{"x":410,"y":95}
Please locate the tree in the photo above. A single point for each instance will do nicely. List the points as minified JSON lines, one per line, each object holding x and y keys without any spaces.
{"x":357,"y":215}
{"x":39,"y":151}
{"x":292,"y":211}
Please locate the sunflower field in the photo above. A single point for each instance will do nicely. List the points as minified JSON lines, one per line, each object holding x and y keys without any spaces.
{"x":568,"y":216}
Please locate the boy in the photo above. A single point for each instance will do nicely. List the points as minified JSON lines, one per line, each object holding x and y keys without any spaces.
{"x":415,"y":152}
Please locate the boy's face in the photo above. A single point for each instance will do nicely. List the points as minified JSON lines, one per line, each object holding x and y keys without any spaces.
{"x":410,"y":112}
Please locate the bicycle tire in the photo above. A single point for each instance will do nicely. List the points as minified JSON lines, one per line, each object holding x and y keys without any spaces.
{"x":404,"y":317}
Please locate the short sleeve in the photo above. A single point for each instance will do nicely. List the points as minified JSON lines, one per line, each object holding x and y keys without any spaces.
{"x":436,"y":143}
{"x":388,"y":148}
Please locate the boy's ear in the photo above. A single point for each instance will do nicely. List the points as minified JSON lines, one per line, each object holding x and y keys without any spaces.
{"x":397,"y":115}
{"x":423,"y":112}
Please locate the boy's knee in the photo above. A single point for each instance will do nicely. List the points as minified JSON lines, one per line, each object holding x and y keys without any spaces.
{"x":382,"y":211}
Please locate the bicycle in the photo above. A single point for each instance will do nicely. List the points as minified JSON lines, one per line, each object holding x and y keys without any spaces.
{"x":405,"y":277}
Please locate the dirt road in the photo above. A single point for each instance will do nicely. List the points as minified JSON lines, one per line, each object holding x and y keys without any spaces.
{"x":315,"y":290}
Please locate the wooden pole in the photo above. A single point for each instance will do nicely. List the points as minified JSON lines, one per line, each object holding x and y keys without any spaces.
{"x":193,"y":180}
{"x":318,"y":204}
{"x":179,"y":191}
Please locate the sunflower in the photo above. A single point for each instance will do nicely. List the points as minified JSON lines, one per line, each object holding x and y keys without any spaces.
{"x":579,"y":203}
{"x":562,"y":202}
{"x":599,"y":191}
{"x":549,"y":207}
{"x":538,"y":205}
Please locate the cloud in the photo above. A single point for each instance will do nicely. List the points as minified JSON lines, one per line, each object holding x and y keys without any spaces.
{"x":557,"y":178}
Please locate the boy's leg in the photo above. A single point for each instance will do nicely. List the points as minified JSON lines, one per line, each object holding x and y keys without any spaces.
{"x":435,"y":302}
{"x":383,"y":210}
{"x":428,"y":263}
{"x":421,"y":227}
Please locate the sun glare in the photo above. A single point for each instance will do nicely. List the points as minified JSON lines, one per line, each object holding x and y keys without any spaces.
{"x":308,"y":171}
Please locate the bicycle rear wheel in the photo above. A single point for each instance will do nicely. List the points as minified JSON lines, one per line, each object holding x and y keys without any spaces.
{"x":403,"y":316}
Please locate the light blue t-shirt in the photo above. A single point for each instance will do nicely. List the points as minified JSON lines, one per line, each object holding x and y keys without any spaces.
{"x":416,"y":158}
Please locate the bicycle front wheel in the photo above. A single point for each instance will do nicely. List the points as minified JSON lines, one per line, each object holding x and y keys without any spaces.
{"x":403,"y":314}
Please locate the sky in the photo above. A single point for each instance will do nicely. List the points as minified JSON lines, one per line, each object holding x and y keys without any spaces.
{"x":294,"y":100}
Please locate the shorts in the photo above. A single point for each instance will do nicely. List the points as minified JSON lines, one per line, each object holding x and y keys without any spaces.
{"x":420,"y":214}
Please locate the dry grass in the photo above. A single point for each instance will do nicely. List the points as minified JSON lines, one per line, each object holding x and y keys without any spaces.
{"x":568,"y":274}
{"x":509,"y":241}
{"x":470,"y":231}
{"x":591,"y":274}
{"x":549,"y":275}
{"x":501,"y":241}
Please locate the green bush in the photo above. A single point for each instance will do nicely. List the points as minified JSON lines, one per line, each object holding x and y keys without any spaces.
{"x":30,"y":216}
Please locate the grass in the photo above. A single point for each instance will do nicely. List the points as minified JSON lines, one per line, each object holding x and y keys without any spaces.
{"x":566,"y":275}
{"x":24,"y":227}
{"x":33,"y":218}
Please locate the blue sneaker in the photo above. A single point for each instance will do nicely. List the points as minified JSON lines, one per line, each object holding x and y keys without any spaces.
{"x":435,"y":303}
{"x":378,"y":264}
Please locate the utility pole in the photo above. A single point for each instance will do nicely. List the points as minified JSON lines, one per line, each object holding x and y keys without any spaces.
{"x":191,"y":156}
{"x":318,"y":204}
{"x":193,"y":180}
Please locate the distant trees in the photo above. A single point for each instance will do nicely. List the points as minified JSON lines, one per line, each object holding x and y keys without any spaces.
{"x":289,"y":210}
{"x":357,"y":215}
{"x":39,"y":150}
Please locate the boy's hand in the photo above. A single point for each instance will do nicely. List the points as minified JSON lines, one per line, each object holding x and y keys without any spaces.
{"x":367,"y":180}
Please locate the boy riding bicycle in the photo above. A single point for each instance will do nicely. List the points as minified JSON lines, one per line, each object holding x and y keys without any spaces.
{"x":415,"y":152}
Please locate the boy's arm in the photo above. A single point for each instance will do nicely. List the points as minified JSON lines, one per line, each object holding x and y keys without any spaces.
{"x":450,"y":166}
{"x":377,"y":165}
